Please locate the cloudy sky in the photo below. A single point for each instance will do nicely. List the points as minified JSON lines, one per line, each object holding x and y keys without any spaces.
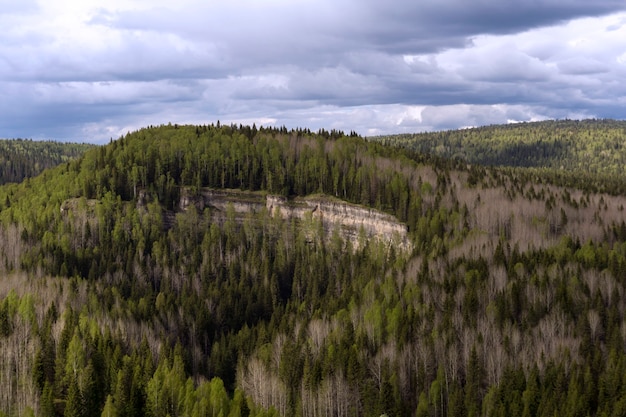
{"x":91,"y":70}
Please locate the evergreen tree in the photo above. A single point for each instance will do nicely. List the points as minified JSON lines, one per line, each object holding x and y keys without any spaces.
{"x":74,"y":406}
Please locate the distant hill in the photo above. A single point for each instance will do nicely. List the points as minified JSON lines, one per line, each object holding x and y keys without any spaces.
{"x":591,"y":146}
{"x":20,"y":158}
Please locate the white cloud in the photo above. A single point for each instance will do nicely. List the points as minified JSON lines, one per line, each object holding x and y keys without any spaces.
{"x":85,"y":70}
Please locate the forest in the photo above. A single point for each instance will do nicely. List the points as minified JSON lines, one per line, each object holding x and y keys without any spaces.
{"x":569,"y":152}
{"x":20,"y":158}
{"x":125,"y":292}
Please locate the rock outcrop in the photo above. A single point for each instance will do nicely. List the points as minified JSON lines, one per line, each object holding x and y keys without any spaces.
{"x":352,"y":222}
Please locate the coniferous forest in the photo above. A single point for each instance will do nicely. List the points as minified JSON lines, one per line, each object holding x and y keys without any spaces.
{"x":240,"y":271}
{"x":20,"y":159}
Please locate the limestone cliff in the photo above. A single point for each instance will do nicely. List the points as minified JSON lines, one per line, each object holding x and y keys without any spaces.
{"x":351,"y":221}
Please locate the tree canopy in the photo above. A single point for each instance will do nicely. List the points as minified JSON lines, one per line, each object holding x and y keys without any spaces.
{"x":20,"y":159}
{"x":128,"y":288}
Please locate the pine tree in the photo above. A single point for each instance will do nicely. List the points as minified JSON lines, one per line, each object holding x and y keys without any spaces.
{"x":109,"y":409}
{"x":422,"y":406}
{"x":46,"y":402}
{"x":74,"y":406}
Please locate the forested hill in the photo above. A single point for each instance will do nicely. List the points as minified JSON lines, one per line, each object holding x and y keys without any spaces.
{"x":592,"y":146}
{"x":195,"y":271}
{"x":21,"y":158}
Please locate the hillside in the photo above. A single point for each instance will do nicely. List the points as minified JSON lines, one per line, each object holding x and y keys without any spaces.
{"x":236,"y":271}
{"x":20,"y":159}
{"x":595,"y":147}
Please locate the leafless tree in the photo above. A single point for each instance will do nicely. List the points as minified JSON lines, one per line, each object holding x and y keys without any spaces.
{"x":595,"y":324}
{"x":318,"y":330}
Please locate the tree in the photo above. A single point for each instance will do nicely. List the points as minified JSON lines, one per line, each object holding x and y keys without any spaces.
{"x":109,"y":409}
{"x":474,"y":385}
{"x":46,"y":402}
{"x":91,"y":392}
{"x":422,"y":406}
{"x":74,"y":406}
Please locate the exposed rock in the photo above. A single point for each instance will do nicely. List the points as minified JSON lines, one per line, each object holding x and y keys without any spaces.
{"x":353,"y":222}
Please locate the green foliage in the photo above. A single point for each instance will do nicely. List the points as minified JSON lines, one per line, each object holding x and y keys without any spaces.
{"x":109,"y":409}
{"x":594,"y":146}
{"x":20,"y":159}
{"x":579,"y":153}
{"x":151,"y":277}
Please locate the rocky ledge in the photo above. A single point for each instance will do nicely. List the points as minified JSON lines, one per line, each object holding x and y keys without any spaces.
{"x":351,"y":221}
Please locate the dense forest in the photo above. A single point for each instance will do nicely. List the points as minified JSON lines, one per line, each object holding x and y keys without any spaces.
{"x":21,"y":158}
{"x":122,"y":294}
{"x":575,"y":151}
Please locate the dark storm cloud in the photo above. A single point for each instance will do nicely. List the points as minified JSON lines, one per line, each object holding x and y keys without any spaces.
{"x":290,"y":32}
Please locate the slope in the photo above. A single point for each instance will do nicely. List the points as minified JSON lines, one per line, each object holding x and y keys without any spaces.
{"x":21,"y":158}
{"x":567,"y":146}
{"x":129,"y":287}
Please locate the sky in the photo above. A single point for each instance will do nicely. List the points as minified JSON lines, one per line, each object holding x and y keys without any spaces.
{"x":91,"y":71}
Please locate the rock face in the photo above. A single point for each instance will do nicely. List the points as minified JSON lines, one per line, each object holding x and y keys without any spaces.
{"x":241,"y":201}
{"x":352,"y":222}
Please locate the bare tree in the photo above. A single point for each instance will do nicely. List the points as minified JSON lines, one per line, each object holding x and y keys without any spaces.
{"x":595,"y":324}
{"x":17,"y":353}
{"x":318,"y":330}
{"x":264,"y":387}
